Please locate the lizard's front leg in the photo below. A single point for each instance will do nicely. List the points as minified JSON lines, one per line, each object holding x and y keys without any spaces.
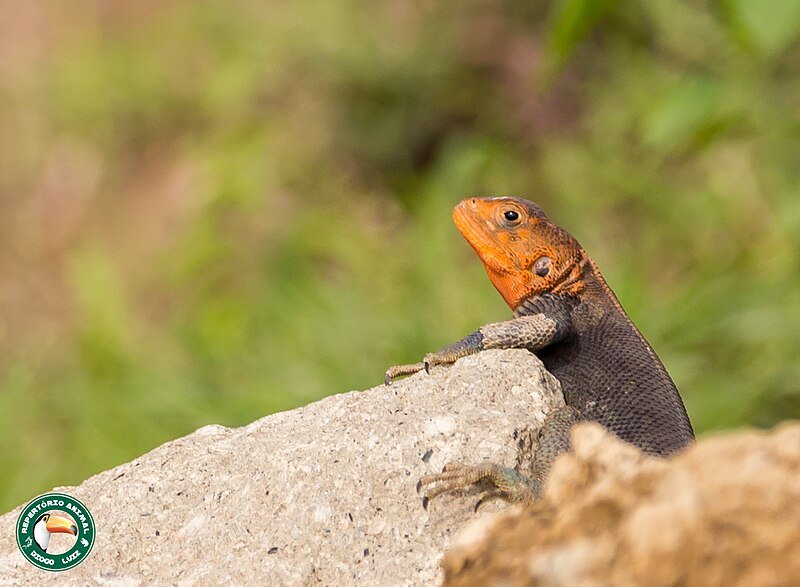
{"x":468,"y":345}
{"x":527,"y":332}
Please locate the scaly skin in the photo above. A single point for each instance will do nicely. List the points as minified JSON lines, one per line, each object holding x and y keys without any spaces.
{"x":564,"y":312}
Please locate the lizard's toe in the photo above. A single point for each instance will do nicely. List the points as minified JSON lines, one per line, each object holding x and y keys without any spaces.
{"x":507,"y":484}
{"x":399,"y":370}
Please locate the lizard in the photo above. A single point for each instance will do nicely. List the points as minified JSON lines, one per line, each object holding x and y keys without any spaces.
{"x":564,"y":312}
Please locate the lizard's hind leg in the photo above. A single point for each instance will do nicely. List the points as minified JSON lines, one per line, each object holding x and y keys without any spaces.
{"x":523,"y":483}
{"x":553,"y":440}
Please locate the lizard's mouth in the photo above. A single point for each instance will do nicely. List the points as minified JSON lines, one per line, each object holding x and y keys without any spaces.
{"x":480,"y":237}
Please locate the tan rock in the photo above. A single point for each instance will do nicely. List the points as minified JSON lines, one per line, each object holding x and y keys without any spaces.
{"x":726,"y":512}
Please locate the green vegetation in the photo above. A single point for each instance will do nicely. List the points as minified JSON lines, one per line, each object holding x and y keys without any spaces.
{"x":213,"y":211}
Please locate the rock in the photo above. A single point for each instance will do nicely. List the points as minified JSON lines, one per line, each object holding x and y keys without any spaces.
{"x":725,"y":512}
{"x":324,"y":494}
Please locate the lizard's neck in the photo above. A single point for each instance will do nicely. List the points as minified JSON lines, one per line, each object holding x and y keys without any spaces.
{"x":580,"y":280}
{"x":536,"y":304}
{"x":573,"y":278}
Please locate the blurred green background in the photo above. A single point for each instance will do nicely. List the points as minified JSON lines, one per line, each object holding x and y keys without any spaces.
{"x":211,"y":211}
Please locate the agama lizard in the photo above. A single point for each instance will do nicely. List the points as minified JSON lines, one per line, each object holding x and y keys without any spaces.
{"x":566,"y":313}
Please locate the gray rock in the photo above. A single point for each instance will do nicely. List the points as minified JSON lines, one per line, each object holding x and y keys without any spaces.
{"x":323,"y":494}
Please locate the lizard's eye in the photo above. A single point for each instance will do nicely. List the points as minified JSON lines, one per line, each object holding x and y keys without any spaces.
{"x":511,"y":215}
{"x":542,"y":266}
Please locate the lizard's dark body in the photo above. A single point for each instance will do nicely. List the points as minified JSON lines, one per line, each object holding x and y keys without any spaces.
{"x":610,"y":374}
{"x":565,"y":313}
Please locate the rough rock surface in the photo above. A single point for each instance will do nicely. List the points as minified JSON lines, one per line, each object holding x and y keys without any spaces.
{"x":725,"y":512}
{"x":324,"y":494}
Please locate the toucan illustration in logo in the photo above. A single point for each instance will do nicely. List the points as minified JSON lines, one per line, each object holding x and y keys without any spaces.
{"x":48,"y":524}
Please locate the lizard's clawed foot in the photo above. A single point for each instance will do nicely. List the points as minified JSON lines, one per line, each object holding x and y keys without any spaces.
{"x":399,"y":370}
{"x":508,"y":484}
{"x":430,"y":360}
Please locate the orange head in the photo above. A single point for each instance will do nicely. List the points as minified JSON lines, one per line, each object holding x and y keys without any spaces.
{"x":523,"y":253}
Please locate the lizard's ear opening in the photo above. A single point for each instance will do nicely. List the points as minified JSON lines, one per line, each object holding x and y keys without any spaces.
{"x":542,"y":266}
